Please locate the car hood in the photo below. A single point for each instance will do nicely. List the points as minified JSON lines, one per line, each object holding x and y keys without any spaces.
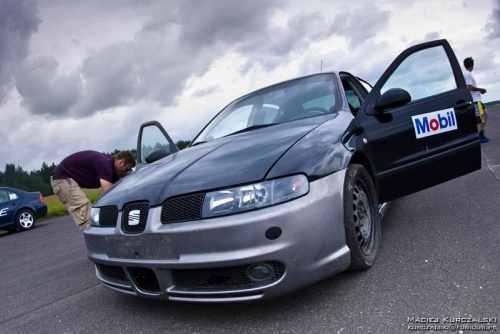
{"x":235,"y":160}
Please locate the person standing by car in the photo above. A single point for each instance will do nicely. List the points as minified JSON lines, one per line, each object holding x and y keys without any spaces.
{"x":87,"y":169}
{"x":481,"y":113}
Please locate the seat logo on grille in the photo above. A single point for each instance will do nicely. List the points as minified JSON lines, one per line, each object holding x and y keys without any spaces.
{"x":134,"y":217}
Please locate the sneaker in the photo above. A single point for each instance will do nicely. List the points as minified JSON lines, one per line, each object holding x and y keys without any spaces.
{"x":482,"y":135}
{"x":483,"y":140}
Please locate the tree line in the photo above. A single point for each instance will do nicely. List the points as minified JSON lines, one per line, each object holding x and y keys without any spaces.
{"x":39,"y":179}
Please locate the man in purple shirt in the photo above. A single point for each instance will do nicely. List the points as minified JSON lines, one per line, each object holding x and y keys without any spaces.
{"x":87,"y":169}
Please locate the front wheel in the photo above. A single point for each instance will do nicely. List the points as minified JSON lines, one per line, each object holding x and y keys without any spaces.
{"x":25,"y":220}
{"x":361,"y":217}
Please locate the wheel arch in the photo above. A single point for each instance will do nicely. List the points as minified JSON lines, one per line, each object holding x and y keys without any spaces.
{"x":30,"y":209}
{"x":360,"y":158}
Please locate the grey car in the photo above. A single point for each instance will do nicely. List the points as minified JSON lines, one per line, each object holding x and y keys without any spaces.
{"x":282,"y":188}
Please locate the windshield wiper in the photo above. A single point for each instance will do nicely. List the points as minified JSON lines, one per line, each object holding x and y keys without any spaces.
{"x":250,"y":128}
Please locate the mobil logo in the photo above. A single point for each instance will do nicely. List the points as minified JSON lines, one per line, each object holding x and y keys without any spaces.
{"x":434,"y":123}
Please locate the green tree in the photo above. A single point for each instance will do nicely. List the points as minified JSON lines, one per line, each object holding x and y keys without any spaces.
{"x":182,"y":144}
{"x":41,"y":179}
{"x":16,"y":177}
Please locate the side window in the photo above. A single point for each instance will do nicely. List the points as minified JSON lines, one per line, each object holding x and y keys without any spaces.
{"x":423,"y":74}
{"x":12,"y":196}
{"x":353,"y":97}
{"x":3,"y":196}
{"x":153,"y":139}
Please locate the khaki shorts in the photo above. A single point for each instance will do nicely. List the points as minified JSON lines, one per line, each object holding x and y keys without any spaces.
{"x":75,"y":200}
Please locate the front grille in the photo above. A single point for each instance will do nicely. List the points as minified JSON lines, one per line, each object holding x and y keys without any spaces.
{"x":183,"y":208}
{"x":145,"y":279}
{"x":108,"y":215}
{"x":134,"y":217}
{"x":112,"y":272}
{"x":222,"y":278}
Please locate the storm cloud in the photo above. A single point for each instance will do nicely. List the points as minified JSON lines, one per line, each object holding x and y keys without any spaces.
{"x":493,"y":25}
{"x":18,"y":22}
{"x":43,"y":91}
{"x":359,"y":25}
{"x":181,"y":39}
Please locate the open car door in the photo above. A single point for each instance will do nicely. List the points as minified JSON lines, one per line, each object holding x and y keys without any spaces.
{"x":417,"y":126}
{"x":153,"y":143}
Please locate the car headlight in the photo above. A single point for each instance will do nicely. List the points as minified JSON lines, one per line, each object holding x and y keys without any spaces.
{"x":254,"y":196}
{"x":94,"y":217}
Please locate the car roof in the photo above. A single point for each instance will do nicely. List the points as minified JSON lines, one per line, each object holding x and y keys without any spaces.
{"x":13,"y":189}
{"x":288,"y":80}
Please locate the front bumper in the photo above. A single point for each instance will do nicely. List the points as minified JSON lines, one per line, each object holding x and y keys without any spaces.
{"x":296,"y":243}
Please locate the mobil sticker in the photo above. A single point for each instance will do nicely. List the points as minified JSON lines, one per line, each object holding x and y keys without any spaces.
{"x":434,"y":123}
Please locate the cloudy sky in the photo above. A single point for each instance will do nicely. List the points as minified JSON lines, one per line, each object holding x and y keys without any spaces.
{"x":78,"y":75}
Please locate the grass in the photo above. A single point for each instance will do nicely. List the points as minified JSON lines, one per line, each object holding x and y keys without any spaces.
{"x":56,"y":208}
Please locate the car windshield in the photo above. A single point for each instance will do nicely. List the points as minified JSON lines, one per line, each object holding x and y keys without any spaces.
{"x":292,"y":100}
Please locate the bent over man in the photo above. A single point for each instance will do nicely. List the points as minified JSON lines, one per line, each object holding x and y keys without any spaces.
{"x":87,"y":169}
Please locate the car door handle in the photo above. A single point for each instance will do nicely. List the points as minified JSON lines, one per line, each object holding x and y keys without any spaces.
{"x":463,"y":105}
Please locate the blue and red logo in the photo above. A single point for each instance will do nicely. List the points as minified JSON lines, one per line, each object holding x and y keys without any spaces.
{"x":434,"y":123}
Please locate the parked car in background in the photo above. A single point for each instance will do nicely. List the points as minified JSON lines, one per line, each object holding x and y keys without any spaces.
{"x":282,"y":188}
{"x":19,"y":209}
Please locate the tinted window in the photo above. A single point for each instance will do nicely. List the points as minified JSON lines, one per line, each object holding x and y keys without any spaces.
{"x":353,"y":99}
{"x":152,"y":139}
{"x":423,"y":74}
{"x":3,"y":196}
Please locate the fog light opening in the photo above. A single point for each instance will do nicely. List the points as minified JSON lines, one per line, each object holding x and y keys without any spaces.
{"x":260,"y":272}
{"x":273,"y":233}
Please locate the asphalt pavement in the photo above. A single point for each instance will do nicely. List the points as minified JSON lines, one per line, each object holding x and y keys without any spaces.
{"x":440,"y":258}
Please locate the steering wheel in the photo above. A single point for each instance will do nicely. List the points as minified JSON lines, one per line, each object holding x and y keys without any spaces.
{"x":321,"y":111}
{"x":311,"y":111}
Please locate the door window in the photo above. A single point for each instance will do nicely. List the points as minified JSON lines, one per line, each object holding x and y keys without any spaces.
{"x":423,"y":74}
{"x":3,"y":196}
{"x":354,"y":99}
{"x":153,"y":139}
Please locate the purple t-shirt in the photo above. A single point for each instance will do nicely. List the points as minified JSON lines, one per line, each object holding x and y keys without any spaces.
{"x":87,"y":168}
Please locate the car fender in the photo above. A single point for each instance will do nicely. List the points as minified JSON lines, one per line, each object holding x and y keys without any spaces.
{"x":319,"y":153}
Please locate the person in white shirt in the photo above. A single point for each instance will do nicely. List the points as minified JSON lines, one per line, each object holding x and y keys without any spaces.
{"x":476,"y":97}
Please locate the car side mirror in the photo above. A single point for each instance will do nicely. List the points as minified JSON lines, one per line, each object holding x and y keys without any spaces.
{"x":156,"y":155}
{"x":394,"y":97}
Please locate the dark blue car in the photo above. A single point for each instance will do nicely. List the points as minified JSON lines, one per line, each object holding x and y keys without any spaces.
{"x":19,"y":209}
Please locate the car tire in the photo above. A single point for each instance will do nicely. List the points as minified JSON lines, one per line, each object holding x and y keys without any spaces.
{"x":361,"y":217}
{"x":25,"y":220}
